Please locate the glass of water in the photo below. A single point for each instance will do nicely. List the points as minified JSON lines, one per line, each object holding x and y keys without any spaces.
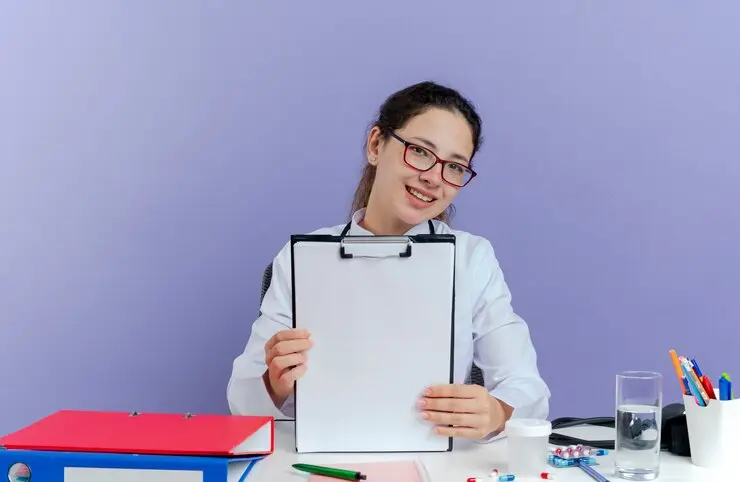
{"x":638,"y":420}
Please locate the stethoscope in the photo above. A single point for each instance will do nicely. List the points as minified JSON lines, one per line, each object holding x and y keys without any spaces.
{"x":349,"y":224}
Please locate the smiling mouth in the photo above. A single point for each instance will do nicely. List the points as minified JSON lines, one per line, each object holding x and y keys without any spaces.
{"x":419,"y":195}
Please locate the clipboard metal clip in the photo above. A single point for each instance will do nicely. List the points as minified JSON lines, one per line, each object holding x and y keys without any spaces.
{"x":375,"y":247}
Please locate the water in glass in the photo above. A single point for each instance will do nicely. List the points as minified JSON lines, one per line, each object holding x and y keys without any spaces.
{"x":638,"y":419}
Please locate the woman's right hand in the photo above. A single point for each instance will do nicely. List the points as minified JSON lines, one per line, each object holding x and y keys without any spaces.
{"x":285,"y":357}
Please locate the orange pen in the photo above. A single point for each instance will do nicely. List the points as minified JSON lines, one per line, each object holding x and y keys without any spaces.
{"x":679,"y":373}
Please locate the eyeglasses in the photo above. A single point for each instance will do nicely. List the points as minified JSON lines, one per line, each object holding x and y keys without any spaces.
{"x":422,"y":159}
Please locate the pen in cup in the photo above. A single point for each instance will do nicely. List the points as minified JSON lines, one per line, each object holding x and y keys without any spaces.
{"x":693,"y":388}
{"x":724,"y":389}
{"x":725,"y":375}
{"x":679,"y":373}
{"x":696,"y":368}
{"x":696,"y":386}
{"x":708,"y":387}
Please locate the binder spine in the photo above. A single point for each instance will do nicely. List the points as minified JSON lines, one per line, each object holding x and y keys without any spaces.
{"x":53,"y":466}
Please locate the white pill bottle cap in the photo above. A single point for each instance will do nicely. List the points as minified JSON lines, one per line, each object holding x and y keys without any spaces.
{"x":528,"y":427}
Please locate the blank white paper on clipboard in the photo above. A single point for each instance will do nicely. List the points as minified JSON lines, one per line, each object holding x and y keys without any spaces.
{"x":380,"y":310}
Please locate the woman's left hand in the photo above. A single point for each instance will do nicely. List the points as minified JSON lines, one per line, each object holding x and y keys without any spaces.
{"x":470,"y":410}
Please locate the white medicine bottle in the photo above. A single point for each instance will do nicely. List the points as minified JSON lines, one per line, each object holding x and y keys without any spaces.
{"x":527,"y":445}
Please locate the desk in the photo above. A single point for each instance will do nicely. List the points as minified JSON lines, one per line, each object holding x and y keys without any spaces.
{"x":468,"y":459}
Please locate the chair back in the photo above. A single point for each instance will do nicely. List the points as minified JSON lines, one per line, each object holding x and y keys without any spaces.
{"x":266,"y":280}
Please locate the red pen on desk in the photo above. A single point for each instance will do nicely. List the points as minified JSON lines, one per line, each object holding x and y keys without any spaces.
{"x":708,"y":387}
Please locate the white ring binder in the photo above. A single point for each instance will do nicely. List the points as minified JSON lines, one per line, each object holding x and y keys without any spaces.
{"x":19,"y":472}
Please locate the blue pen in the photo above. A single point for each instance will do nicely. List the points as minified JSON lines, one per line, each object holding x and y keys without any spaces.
{"x":592,"y":472}
{"x":727,"y":376}
{"x":725,"y":387}
{"x":694,"y":390}
{"x":696,"y":368}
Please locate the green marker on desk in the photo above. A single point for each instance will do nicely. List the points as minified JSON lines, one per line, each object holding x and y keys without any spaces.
{"x":330,"y":472}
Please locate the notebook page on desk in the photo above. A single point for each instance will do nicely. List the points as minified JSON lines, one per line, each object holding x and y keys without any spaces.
{"x":383,"y":328}
{"x":394,"y":471}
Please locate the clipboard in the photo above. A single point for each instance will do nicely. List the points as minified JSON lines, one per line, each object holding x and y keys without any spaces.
{"x":381,"y":312}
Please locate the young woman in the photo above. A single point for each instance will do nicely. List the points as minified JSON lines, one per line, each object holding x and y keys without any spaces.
{"x":419,"y":156}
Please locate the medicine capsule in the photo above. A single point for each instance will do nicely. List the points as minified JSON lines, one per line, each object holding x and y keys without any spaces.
{"x":475,"y":479}
{"x":493,"y":474}
{"x":558,"y":462}
{"x":547,"y":475}
{"x":507,"y":477}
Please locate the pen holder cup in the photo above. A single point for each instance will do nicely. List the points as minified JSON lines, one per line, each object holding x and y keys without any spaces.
{"x":714,"y":432}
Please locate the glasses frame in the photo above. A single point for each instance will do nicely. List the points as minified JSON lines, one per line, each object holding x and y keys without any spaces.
{"x":437,"y":160}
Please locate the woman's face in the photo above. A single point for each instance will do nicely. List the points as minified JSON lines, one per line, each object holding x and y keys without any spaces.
{"x":405,"y":193}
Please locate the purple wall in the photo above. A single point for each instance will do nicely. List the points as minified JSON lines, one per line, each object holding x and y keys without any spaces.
{"x":153,"y":160}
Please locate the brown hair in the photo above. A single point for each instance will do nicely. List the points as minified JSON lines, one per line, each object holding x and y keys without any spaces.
{"x":402,"y":106}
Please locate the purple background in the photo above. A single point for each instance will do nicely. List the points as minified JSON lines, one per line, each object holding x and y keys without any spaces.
{"x":154,"y":157}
